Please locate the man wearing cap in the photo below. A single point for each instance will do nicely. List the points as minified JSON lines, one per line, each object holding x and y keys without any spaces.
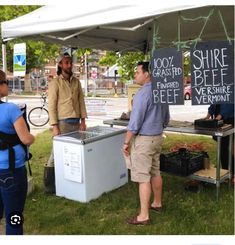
{"x":67,"y":110}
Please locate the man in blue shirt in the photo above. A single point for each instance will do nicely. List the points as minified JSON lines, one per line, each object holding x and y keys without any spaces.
{"x":143,"y":142}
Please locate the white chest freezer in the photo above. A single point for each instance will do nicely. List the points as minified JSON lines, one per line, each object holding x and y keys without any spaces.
{"x":89,"y":163}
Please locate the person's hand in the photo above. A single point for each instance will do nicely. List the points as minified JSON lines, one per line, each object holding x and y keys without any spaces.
{"x":218,"y":117}
{"x":82,"y":126}
{"x":56,"y":130}
{"x":125,"y":149}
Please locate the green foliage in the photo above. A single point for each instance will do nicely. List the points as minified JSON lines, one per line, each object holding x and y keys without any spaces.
{"x":109,"y":59}
{"x":81,"y":51}
{"x":37,"y":53}
{"x":185,"y":213}
{"x":8,"y":12}
{"x":187,"y":66}
{"x":127,"y":64}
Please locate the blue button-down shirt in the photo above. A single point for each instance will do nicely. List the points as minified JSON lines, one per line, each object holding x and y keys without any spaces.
{"x":226,"y":111}
{"x":147,"y":118}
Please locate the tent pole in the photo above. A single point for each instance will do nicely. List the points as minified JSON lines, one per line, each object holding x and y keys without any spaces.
{"x":4,"y":59}
{"x":86,"y":75}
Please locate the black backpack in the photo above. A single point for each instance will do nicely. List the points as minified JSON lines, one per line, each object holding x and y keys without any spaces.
{"x":23,"y":108}
{"x":10,"y":140}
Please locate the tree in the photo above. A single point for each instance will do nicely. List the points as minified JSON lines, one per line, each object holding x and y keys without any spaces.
{"x":38,"y":53}
{"x":187,"y":65}
{"x":82,"y":51}
{"x":109,"y":59}
{"x":126,"y":63}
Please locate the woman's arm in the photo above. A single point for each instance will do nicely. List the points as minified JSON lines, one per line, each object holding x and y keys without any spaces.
{"x":23,"y":132}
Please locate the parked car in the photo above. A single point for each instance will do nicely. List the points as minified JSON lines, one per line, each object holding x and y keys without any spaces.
{"x":187,"y":92}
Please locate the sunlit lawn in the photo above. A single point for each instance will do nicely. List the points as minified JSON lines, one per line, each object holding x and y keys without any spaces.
{"x":185,"y":212}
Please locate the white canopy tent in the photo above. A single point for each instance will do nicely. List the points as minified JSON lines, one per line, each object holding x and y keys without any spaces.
{"x":122,"y":26}
{"x":119,"y":26}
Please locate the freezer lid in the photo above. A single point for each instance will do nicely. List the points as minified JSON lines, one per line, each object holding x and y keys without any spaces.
{"x":90,"y":135}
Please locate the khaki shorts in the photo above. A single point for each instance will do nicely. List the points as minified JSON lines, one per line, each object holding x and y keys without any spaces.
{"x":145,"y":157}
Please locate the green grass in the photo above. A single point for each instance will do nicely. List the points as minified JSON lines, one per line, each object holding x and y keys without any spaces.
{"x":185,"y":212}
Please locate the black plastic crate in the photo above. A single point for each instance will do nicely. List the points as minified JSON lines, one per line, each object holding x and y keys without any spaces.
{"x":182,"y":162}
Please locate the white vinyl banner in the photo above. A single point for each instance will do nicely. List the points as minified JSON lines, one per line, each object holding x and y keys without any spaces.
{"x":19,"y":60}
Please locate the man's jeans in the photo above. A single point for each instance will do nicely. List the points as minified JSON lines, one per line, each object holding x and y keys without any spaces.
{"x":13,"y":192}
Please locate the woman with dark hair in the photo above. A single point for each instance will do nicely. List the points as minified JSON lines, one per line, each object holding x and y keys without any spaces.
{"x":14,"y":135}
